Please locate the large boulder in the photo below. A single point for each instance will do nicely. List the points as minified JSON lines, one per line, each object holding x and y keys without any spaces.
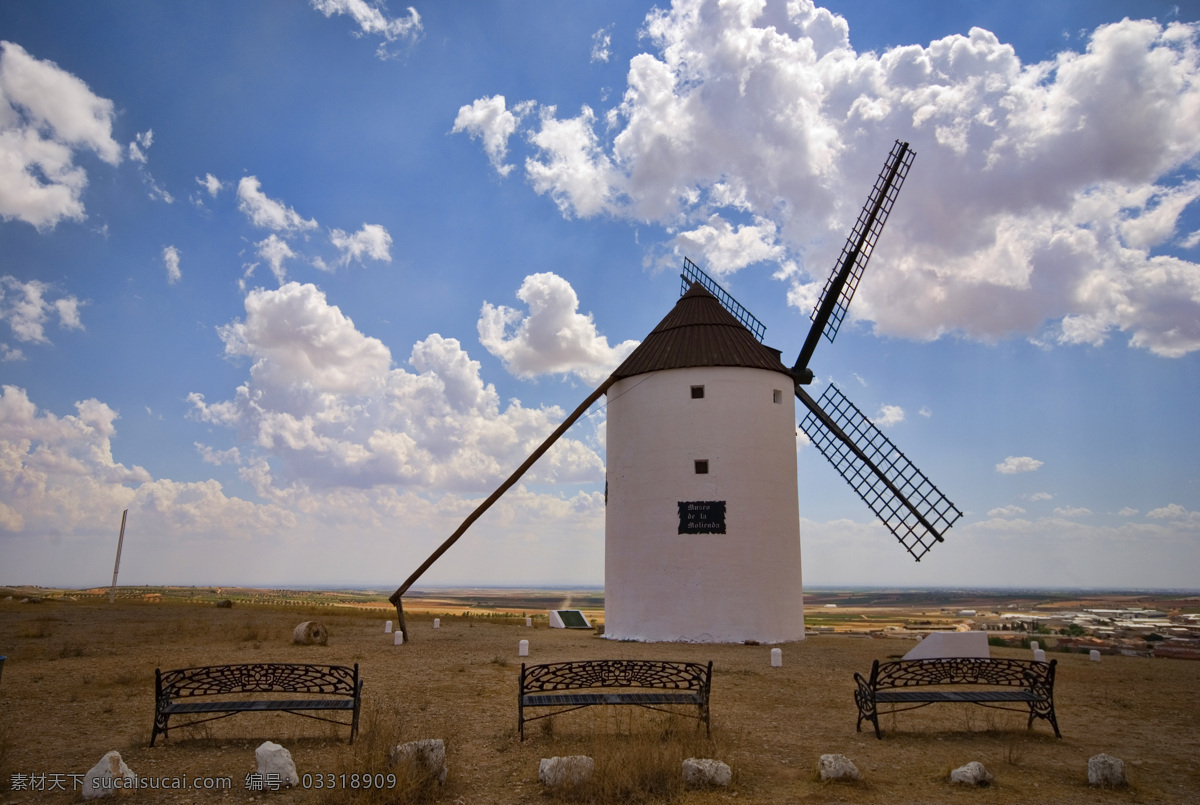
{"x":1106,"y":771}
{"x":427,"y":755}
{"x":974,"y":773}
{"x":107,"y":777}
{"x":701,"y":772}
{"x":569,"y":770}
{"x":837,"y":767}
{"x":275,"y":765}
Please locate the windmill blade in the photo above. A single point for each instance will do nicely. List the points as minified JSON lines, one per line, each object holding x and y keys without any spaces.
{"x":843,"y":279}
{"x":693,"y":273}
{"x":907,"y":502}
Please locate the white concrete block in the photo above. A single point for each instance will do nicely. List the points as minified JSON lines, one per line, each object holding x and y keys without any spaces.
{"x":1039,"y":655}
{"x":387,"y":627}
{"x":437,"y":623}
{"x":950,"y":644}
{"x":398,"y":638}
{"x":1095,"y":655}
{"x":523,"y":648}
{"x":776,"y":658}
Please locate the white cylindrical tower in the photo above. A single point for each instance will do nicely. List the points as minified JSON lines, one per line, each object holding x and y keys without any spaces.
{"x":702,"y":530}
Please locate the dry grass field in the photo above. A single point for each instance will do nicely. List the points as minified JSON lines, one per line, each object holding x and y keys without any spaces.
{"x":79,"y":681}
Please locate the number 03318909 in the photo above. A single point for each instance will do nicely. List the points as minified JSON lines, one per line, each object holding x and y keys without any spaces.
{"x":329,"y":780}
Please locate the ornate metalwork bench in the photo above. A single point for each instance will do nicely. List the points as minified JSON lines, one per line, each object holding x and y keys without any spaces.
{"x":1017,"y":685}
{"x":659,"y":685}
{"x":339,"y":687}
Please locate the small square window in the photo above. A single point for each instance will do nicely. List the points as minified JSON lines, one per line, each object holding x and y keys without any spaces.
{"x":702,"y":467}
{"x":777,"y":396}
{"x":697,"y":392}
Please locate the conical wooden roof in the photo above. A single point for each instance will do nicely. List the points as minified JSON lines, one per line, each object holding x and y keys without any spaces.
{"x":699,"y":331}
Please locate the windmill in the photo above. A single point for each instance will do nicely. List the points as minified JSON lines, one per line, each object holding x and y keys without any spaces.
{"x":702,"y":538}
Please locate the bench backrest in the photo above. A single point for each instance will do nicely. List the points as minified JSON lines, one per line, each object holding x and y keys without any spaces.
{"x":963,"y":671}
{"x":616,"y":674}
{"x":257,"y":677}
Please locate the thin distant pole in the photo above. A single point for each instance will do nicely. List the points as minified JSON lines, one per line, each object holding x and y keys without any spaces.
{"x":112,"y":593}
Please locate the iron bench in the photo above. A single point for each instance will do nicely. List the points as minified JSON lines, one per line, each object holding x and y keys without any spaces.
{"x":1025,"y":683}
{"x":339,"y":687}
{"x":658,"y":686}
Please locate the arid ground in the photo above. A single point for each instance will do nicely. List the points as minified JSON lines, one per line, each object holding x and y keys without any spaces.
{"x":79,"y":681}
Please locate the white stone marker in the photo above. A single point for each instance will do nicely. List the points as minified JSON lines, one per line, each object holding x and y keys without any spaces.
{"x":107,"y":777}
{"x":1039,"y":655}
{"x":523,"y":648}
{"x":529,"y":621}
{"x":1033,"y":644}
{"x":437,"y":623}
{"x":387,"y":627}
{"x":1095,"y":655}
{"x":398,"y":638}
{"x":569,"y":770}
{"x":776,"y":658}
{"x":428,"y":754}
{"x":273,"y":759}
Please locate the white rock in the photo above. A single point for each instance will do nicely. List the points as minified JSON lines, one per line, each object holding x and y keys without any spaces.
{"x":973,"y":773}
{"x":1106,"y":770}
{"x":275,"y":764}
{"x":428,"y":754}
{"x":838,"y":767}
{"x":569,"y":770}
{"x":705,"y":772}
{"x":107,"y":777}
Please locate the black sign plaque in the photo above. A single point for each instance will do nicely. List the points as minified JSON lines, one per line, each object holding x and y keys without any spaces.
{"x":701,"y":517}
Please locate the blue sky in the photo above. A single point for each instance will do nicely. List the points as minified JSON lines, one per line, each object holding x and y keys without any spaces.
{"x":299,"y":283}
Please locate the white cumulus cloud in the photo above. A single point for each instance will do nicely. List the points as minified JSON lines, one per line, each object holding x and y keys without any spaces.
{"x":1171,"y":512}
{"x":1040,"y":194}
{"x":1015,"y":464}
{"x":372,"y":18}
{"x":27,"y":306}
{"x":210,"y":183}
{"x":170,"y":258}
{"x":371,"y":241}
{"x":888,"y":415}
{"x":46,"y":115}
{"x":553,"y":337}
{"x":602,"y":45}
{"x":325,"y":400}
{"x":275,"y":250}
{"x":490,"y":121}
{"x":267,"y":212}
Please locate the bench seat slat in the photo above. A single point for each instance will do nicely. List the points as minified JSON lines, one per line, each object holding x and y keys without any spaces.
{"x":177,"y":708}
{"x":903,"y":696}
{"x":551,"y":699}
